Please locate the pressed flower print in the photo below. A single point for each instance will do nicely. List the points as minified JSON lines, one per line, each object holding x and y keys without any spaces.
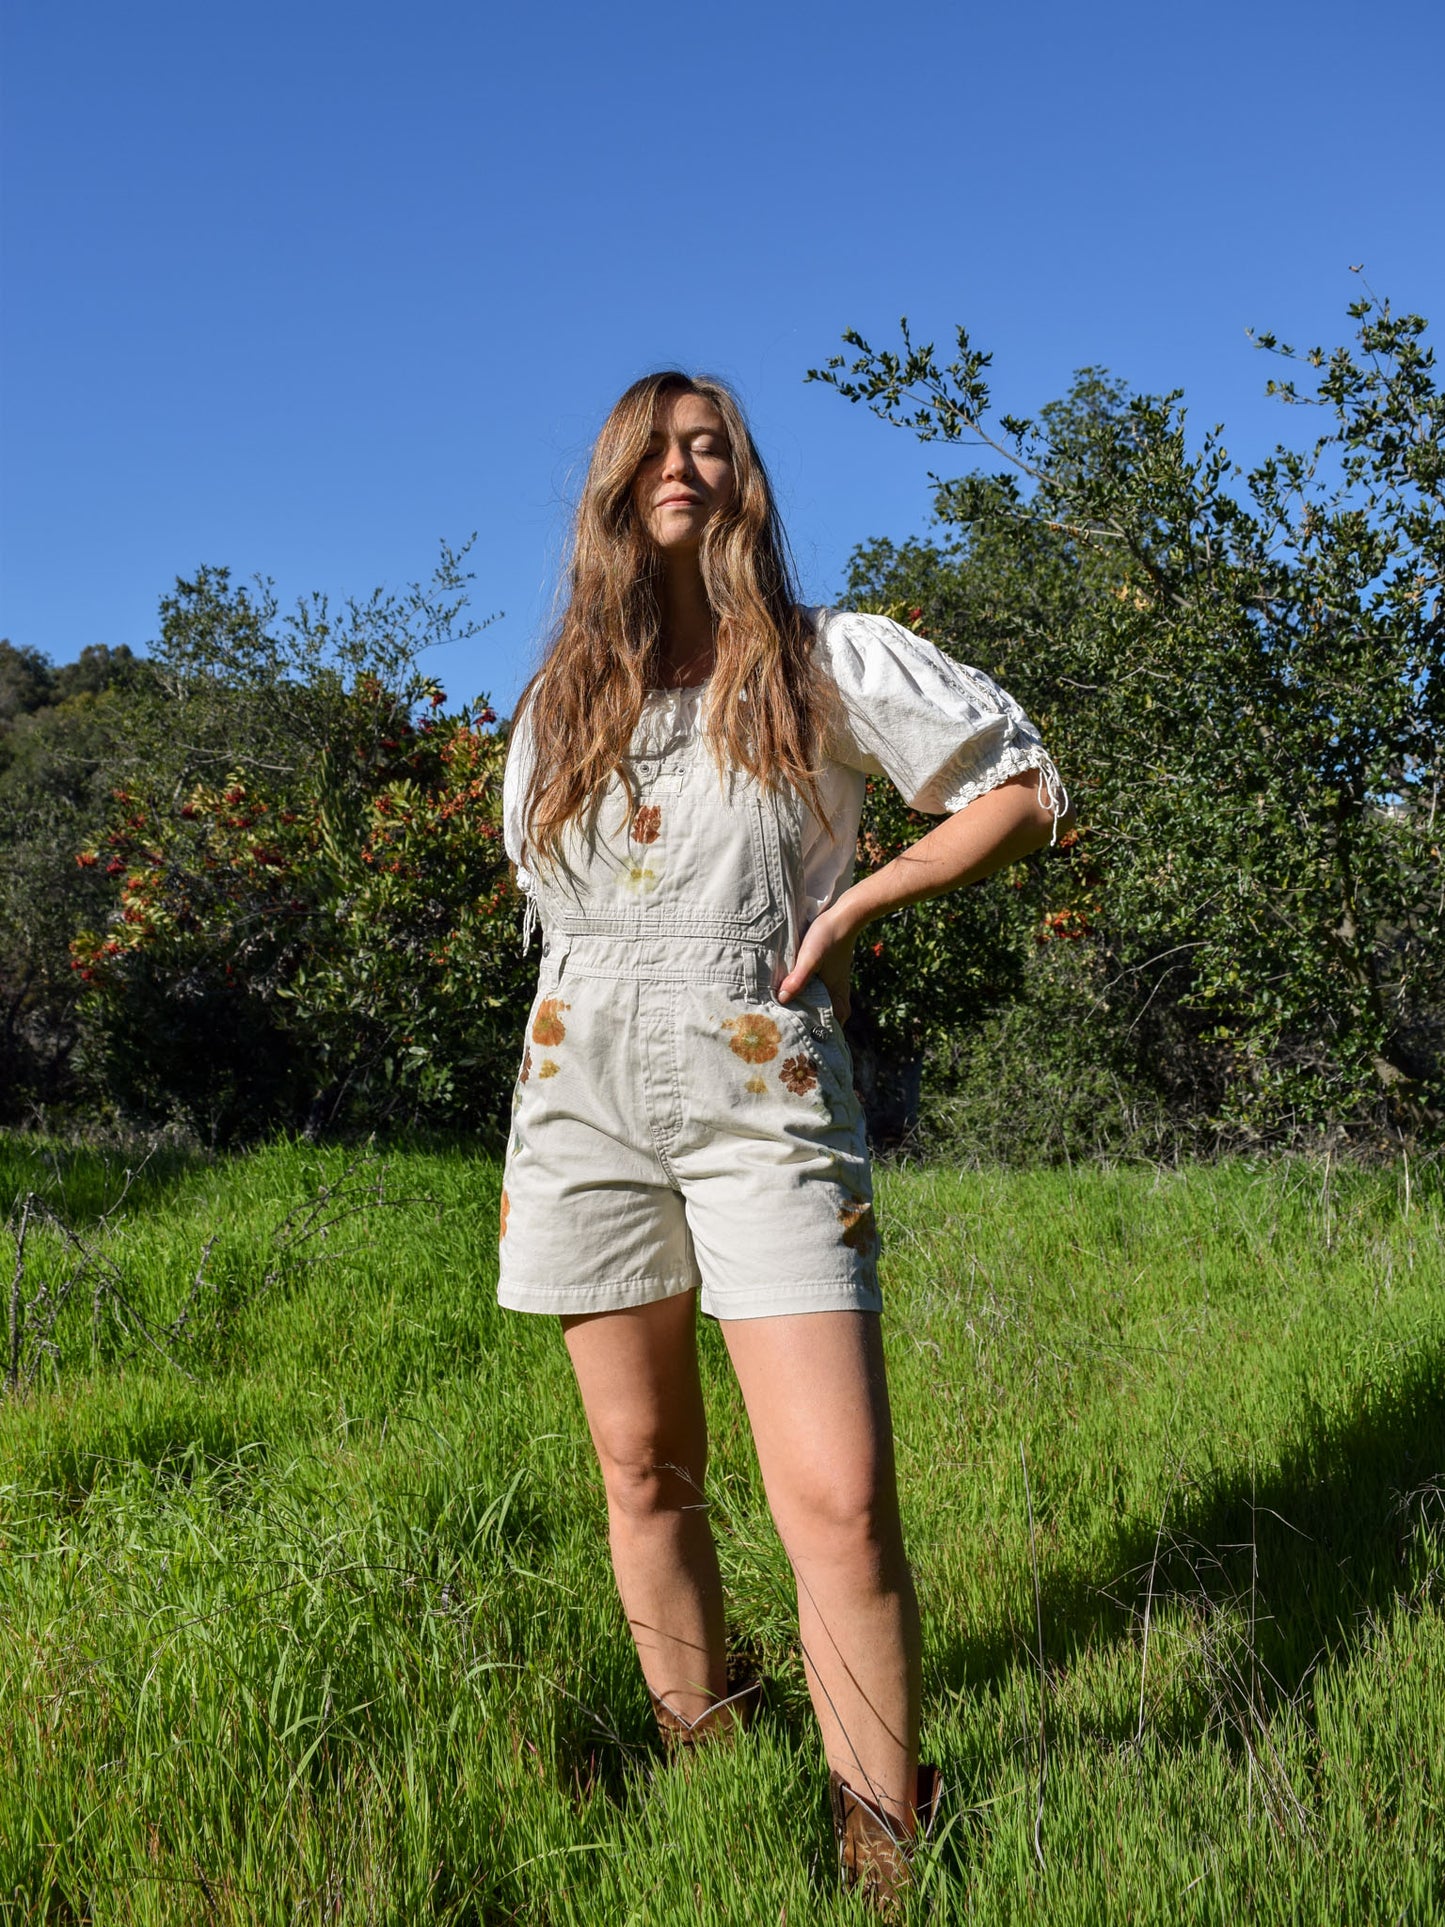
{"x":859,"y":1231}
{"x":800,"y":1074}
{"x":757,"y":1085}
{"x":526,"y":1064}
{"x":640,"y":878}
{"x":755,"y":1038}
{"x":548,"y":1067}
{"x":547,"y":1026}
{"x":502,"y":1221}
{"x":647,"y":824}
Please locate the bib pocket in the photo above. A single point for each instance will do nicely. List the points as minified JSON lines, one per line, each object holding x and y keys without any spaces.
{"x":655,"y":776}
{"x":684,"y":863}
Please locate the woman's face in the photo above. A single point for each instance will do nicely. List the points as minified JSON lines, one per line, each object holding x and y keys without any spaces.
{"x":686,"y":476}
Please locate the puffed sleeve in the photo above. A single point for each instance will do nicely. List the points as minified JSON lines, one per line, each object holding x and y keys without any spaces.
{"x":943,"y":734}
{"x":515,"y":778}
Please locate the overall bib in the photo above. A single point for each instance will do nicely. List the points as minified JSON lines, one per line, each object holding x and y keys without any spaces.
{"x":674,"y":1127}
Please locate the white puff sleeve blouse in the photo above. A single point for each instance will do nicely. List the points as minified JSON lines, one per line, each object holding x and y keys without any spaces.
{"x":941,"y":733}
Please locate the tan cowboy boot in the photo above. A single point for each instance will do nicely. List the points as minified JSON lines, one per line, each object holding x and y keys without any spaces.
{"x":873,"y":1852}
{"x":720,"y":1721}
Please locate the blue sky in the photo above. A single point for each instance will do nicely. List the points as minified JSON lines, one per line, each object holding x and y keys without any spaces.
{"x":303,"y":287}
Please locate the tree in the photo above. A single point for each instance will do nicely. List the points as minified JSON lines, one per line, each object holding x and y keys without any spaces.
{"x":63,"y":735}
{"x":311,"y":919}
{"x":1242,"y":675}
{"x":257,"y":877}
{"x":27,"y":683}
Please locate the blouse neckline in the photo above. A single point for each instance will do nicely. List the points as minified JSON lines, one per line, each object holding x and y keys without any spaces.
{"x":677,"y":690}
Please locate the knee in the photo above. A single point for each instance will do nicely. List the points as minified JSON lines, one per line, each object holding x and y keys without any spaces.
{"x":647,"y":1483}
{"x":849,"y":1522}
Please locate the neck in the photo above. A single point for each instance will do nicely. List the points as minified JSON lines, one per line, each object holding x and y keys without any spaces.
{"x":686,"y":647}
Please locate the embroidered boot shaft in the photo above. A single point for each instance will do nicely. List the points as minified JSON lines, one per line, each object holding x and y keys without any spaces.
{"x":873,"y":1851}
{"x":721,"y":1721}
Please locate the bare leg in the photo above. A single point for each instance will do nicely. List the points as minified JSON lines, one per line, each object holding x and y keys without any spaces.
{"x":817,"y":1399}
{"x":637,"y":1372}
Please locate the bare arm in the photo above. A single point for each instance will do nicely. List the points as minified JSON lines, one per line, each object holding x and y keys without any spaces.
{"x":996,"y":829}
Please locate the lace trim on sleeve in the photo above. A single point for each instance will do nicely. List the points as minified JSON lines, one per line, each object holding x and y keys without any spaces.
{"x":1014,"y":760}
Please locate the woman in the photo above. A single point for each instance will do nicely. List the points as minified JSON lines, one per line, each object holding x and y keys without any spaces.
{"x":683,"y":793}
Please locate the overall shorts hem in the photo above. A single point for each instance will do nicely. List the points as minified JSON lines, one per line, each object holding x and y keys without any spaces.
{"x":579,"y":1301}
{"x":783,"y":1301}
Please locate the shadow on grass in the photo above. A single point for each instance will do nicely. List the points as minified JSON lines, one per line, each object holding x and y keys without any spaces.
{"x":209,"y":1450}
{"x":81,"y":1183}
{"x":1286,"y":1569}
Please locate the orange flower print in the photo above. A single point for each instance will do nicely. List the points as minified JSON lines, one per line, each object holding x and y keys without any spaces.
{"x":547,"y":1025}
{"x":860,"y":1233}
{"x":647,"y":824}
{"x":757,"y":1085}
{"x":548,"y":1067}
{"x":755,"y":1038}
{"x":526,"y":1063}
{"x":800,"y":1074}
{"x":502,"y":1223}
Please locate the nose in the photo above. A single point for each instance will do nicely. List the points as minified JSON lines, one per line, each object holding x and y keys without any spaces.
{"x":676,"y":462}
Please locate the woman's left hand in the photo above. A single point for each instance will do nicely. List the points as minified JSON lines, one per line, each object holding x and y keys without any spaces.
{"x":827,"y":952}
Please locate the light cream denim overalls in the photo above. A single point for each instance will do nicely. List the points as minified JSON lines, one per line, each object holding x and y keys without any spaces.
{"x":674,"y":1127}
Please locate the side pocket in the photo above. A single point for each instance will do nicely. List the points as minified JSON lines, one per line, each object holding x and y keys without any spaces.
{"x":809,"y":1019}
{"x":547,"y":977}
{"x":815,"y":1000}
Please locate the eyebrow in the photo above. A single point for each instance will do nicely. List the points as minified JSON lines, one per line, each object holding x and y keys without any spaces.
{"x":689,"y":434}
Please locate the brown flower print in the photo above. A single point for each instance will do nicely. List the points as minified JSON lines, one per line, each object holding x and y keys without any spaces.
{"x":860,"y":1233}
{"x":755,"y":1038}
{"x":526,"y":1063}
{"x":800,"y":1074}
{"x":647,"y":824}
{"x":757,"y":1085}
{"x":548,"y":1067}
{"x":547,"y":1025}
{"x":502,"y":1222}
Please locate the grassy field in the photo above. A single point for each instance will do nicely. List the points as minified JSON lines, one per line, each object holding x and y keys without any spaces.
{"x":305,"y":1611}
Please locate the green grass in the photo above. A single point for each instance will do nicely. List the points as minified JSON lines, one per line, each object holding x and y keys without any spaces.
{"x":326,"y":1631}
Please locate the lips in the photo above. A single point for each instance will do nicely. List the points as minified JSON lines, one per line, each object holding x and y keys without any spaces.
{"x":680,"y":502}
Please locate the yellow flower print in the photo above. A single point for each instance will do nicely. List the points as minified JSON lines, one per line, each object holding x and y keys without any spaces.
{"x":755,"y":1038}
{"x":640,"y":878}
{"x":548,"y":1068}
{"x":800,"y":1074}
{"x":757,"y":1085}
{"x":647,"y":824}
{"x":547,"y":1025}
{"x":860,"y":1232}
{"x":502,"y":1222}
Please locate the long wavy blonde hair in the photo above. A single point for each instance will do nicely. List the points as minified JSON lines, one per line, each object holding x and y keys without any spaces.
{"x":769,"y":703}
